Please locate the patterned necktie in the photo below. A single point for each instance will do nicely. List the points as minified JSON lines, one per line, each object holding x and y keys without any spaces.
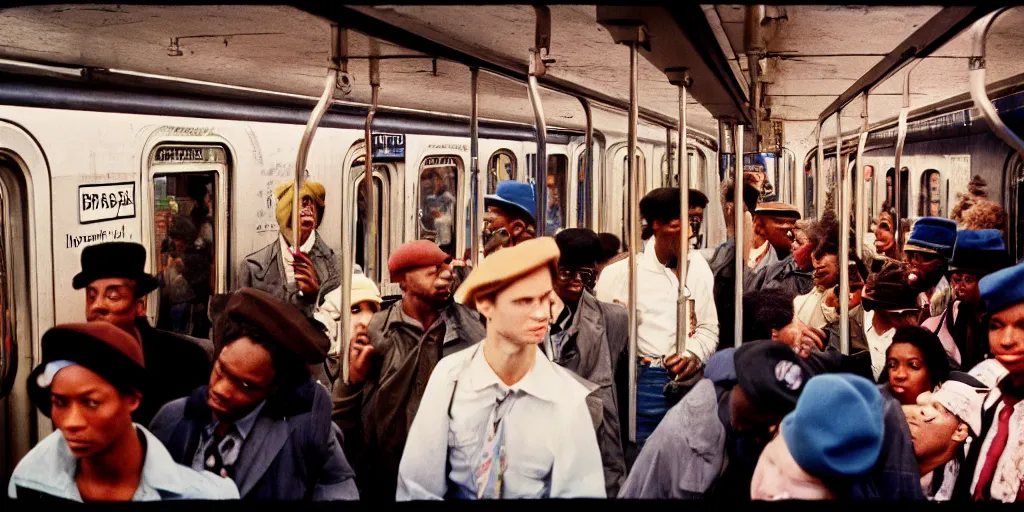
{"x":982,"y":491}
{"x":491,"y":470}
{"x":213,"y":458}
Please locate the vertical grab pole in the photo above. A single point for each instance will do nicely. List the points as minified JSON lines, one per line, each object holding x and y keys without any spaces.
{"x":540,"y":185}
{"x":474,"y":159}
{"x":371,"y":210}
{"x":860,"y":214}
{"x":667,"y":180}
{"x":586,"y":210}
{"x":843,"y":185}
{"x":741,"y":237}
{"x":901,"y":139}
{"x":542,"y":41}
{"x":633,"y":188}
{"x":819,"y":176}
{"x":682,"y":80}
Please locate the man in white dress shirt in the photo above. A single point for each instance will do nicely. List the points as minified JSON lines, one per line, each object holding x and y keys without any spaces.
{"x":499,"y":419}
{"x":657,"y":294}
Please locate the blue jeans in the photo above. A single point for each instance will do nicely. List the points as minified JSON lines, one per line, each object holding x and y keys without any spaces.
{"x":651,"y":402}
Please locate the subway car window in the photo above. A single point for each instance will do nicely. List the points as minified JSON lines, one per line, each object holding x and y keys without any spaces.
{"x":930,"y":199}
{"x":558,"y":168}
{"x":381,"y":190}
{"x":502,"y":167}
{"x":185,"y":206}
{"x":439,"y":179}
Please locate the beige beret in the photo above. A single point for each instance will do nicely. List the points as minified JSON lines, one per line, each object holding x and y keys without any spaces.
{"x":507,"y":265}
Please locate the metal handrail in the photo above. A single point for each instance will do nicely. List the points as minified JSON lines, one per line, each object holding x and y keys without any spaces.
{"x":632,"y":193}
{"x":740,"y":236}
{"x":977,"y":74}
{"x":474,"y":162}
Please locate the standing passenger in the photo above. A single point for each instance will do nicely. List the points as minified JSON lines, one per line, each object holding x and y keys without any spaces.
{"x":723,"y":260}
{"x":657,"y":276}
{"x":961,"y":327}
{"x":262,"y":421}
{"x":991,"y":471}
{"x":115,"y":291}
{"x":365,"y":302}
{"x":590,"y":337}
{"x":91,"y":379}
{"x":499,"y":420}
{"x":926,"y":253}
{"x":407,"y":340}
{"x":509,"y":218}
{"x":294,"y":276}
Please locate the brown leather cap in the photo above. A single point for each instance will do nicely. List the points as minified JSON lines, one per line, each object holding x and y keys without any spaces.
{"x":281,"y":322}
{"x":103,"y":348}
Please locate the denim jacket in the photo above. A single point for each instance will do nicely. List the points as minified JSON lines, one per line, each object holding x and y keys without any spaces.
{"x":48,"y":471}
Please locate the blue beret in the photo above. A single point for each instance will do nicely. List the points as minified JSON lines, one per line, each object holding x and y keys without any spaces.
{"x":981,"y":251}
{"x":721,"y":366}
{"x":934,"y":233}
{"x":1002,"y":289}
{"x":836,"y":429}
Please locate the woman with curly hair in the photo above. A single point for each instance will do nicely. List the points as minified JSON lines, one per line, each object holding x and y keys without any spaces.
{"x":984,"y":214}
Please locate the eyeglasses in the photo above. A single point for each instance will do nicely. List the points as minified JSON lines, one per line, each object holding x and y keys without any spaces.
{"x":587,"y":275}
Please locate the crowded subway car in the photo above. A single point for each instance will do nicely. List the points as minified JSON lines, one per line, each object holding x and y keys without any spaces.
{"x":189,"y":193}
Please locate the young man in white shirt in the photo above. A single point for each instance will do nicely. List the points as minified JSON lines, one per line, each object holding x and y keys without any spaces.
{"x":657,"y":294}
{"x":499,"y":420}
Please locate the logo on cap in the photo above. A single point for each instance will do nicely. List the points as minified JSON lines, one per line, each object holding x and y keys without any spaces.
{"x":788,"y":374}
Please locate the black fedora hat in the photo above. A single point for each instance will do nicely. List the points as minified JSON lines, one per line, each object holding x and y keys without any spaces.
{"x":115,"y":259}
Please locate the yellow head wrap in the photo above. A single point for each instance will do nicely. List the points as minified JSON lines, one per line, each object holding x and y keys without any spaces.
{"x":283,"y":211}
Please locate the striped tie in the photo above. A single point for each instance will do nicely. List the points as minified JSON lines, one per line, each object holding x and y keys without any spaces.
{"x":491,"y":470}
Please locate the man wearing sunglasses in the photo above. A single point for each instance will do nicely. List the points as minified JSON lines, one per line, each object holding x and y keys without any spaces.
{"x":589,"y":337}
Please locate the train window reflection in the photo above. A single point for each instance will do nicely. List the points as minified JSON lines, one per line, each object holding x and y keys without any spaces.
{"x":185,"y":236}
{"x":439,"y":177}
{"x":381,"y":190}
{"x":558,"y":168}
{"x":930,"y":199}
{"x":502,"y":166}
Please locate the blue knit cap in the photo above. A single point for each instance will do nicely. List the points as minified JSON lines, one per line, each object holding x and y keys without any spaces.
{"x":933,"y":233}
{"x":836,"y":429}
{"x":1002,"y":289}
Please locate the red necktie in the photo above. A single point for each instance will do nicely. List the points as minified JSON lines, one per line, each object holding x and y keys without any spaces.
{"x":982,"y":491}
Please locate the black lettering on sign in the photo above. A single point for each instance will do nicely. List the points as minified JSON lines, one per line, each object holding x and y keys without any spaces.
{"x":180,"y":155}
{"x":440,"y":161}
{"x":109,"y":201}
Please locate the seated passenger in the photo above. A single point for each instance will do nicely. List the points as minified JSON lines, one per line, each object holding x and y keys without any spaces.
{"x":657,"y":275}
{"x":263,"y":421}
{"x":915,"y":364}
{"x":91,"y":379}
{"x":961,"y":326}
{"x":376,"y":408}
{"x":590,"y":338}
{"x":499,"y":420}
{"x":294,"y":275}
{"x":116,"y":287}
{"x":820,"y":452}
{"x":940,"y":423}
{"x":510,"y":216}
{"x":708,"y":443}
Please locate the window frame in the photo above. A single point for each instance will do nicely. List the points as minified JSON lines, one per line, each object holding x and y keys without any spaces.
{"x":515,"y":168}
{"x":461,"y":201}
{"x":383,"y":210}
{"x":222,"y":207}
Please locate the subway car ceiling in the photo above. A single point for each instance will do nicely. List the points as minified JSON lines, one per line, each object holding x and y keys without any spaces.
{"x":808,"y":57}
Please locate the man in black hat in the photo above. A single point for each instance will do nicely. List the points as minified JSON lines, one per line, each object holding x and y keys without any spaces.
{"x":708,"y":444}
{"x":116,"y":286}
{"x":262,"y":421}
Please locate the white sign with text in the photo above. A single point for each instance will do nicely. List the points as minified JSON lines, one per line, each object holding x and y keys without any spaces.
{"x":108,"y":201}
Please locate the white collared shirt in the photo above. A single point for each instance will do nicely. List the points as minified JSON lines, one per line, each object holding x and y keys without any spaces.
{"x":657,"y":296}
{"x":878,"y":344}
{"x":550,"y":441}
{"x":287,"y":258}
